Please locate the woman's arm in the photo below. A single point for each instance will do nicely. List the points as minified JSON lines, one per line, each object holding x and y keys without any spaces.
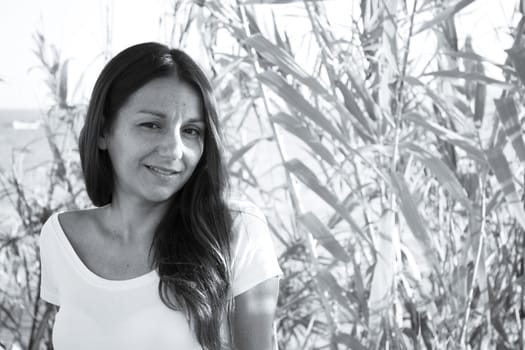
{"x":254,"y":315}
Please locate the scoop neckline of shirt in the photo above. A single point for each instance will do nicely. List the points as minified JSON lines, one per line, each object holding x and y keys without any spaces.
{"x":90,"y":275}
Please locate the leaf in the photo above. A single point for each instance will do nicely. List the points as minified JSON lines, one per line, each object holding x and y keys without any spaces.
{"x":449,"y":136}
{"x":496,"y":323}
{"x":328,"y":282}
{"x":253,"y":27}
{"x":371,"y":107}
{"x":410,"y":211}
{"x":307,"y":177}
{"x":62,"y":85}
{"x":383,"y":277}
{"x":226,"y":71}
{"x":478,"y":247}
{"x":412,"y":266}
{"x":517,"y":56}
{"x":280,"y":42}
{"x":239,"y":153}
{"x":360,"y":289}
{"x":455,"y":110}
{"x":479,"y":103}
{"x":351,"y":342}
{"x":293,"y":126}
{"x":60,"y":170}
{"x":475,"y":77}
{"x":353,"y":107}
{"x":496,"y":200}
{"x":446,"y":177}
{"x":323,"y":235}
{"x":501,"y":168}
{"x":443,"y":15}
{"x":288,"y":65}
{"x":284,"y":61}
{"x":298,"y":102}
{"x":389,"y":50}
{"x":450,"y":109}
{"x":508,"y":114}
{"x":472,"y":56}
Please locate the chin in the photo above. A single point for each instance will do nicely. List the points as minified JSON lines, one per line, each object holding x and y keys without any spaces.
{"x":160,"y":196}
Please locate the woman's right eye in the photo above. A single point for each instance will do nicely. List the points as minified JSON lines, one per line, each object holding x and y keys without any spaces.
{"x":150,"y":125}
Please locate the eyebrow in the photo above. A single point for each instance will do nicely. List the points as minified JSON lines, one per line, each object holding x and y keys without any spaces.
{"x":163,"y":116}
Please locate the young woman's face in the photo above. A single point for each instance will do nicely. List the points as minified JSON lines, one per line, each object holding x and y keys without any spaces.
{"x":156,"y":140}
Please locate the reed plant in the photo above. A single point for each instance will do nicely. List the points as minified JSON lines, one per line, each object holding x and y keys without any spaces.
{"x":394,"y":189}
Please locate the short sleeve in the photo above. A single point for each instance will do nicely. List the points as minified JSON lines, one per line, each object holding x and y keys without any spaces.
{"x":48,"y":283}
{"x":254,"y":259}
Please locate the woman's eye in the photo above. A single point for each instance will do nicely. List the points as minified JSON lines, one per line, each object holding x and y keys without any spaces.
{"x":150,"y":125}
{"x":192,"y":131}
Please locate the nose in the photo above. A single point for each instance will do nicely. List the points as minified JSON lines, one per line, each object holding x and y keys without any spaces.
{"x":171,"y":145}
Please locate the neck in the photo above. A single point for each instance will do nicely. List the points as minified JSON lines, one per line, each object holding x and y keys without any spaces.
{"x":134,"y":223}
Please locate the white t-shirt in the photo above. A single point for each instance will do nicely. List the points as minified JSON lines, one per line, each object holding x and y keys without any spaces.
{"x":97,"y":313}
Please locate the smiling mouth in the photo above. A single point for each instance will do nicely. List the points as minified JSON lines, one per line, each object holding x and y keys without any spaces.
{"x":162,"y":171}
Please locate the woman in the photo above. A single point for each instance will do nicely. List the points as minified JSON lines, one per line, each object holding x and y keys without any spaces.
{"x":163,"y":261}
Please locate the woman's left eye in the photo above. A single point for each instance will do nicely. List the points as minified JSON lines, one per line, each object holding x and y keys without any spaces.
{"x":192,"y":131}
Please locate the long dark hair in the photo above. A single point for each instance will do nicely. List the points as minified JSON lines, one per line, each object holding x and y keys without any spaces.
{"x":191,"y":245}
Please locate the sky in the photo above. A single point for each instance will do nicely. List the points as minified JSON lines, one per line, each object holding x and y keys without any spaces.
{"x":78,"y":28}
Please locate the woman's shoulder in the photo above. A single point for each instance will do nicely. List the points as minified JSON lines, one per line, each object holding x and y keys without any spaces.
{"x":75,"y":222}
{"x":249,"y":222}
{"x":69,"y":217}
{"x":78,"y":217}
{"x":240,"y":207}
{"x":65,"y":222}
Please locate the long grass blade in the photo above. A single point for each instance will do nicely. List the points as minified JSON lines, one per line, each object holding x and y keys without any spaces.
{"x":371,"y":107}
{"x":445,"y":14}
{"x":501,"y":168}
{"x":307,"y":177}
{"x":453,"y":107}
{"x":446,"y":177}
{"x":284,"y":61}
{"x":294,"y":127}
{"x":354,"y":108}
{"x":480,"y":99}
{"x":280,"y":42}
{"x":412,"y":216}
{"x":351,"y":342}
{"x":474,"y":57}
{"x":299,"y":103}
{"x":508,"y":114}
{"x":62,"y":84}
{"x":288,"y":65}
{"x":324,"y":236}
{"x":239,"y":153}
{"x":473,"y":77}
{"x":448,"y":135}
{"x":381,"y":287}
{"x":517,"y":56}
{"x":329,"y":283}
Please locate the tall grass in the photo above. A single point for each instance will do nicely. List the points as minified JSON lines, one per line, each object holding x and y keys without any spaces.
{"x":394,"y":192}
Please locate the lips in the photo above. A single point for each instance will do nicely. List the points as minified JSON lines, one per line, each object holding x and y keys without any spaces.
{"x":162,"y":170}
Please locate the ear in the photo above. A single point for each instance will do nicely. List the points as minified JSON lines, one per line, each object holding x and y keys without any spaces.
{"x":102,"y":142}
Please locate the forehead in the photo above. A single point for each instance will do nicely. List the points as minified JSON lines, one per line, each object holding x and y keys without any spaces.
{"x":167,"y":94}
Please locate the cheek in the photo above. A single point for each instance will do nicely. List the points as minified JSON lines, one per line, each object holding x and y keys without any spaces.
{"x":195,"y":154}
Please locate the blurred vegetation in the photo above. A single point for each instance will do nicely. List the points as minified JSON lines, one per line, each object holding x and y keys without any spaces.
{"x":394,"y":189}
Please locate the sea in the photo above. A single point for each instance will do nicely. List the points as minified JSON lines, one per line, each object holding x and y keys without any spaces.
{"x":22,"y":139}
{"x":24,"y":149}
